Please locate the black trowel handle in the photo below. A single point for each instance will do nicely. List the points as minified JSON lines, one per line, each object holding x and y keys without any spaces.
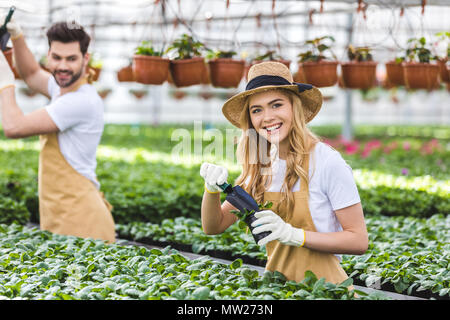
{"x":9,"y":16}
{"x":226,"y":187}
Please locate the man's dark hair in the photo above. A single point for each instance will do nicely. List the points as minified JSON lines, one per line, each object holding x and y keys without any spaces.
{"x":64,"y":32}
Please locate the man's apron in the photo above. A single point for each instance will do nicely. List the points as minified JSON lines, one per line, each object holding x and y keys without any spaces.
{"x":69,"y":203}
{"x":294,"y":261}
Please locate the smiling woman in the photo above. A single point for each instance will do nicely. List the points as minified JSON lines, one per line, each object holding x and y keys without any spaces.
{"x":317,"y":212}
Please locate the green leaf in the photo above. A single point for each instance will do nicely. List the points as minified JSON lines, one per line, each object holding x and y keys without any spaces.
{"x":201,"y":293}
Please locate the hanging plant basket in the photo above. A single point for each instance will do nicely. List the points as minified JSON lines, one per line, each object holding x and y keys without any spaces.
{"x":319,"y":74}
{"x":359,"y":75}
{"x":150,"y":69}
{"x":103,"y":93}
{"x":9,"y":57}
{"x":95,"y":72}
{"x":138,"y":93}
{"x":394,"y":72}
{"x":206,"y":77}
{"x":442,"y":63}
{"x":420,"y":75}
{"x":187,"y":72}
{"x":125,"y":74}
{"x":226,"y":72}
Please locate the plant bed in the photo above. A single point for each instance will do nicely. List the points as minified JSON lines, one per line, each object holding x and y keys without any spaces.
{"x":60,"y":267}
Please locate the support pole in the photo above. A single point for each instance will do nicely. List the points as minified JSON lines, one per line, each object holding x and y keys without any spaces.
{"x":347,"y":126}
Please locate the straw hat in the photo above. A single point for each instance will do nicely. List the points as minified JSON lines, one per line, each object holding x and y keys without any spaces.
{"x":272,"y":75}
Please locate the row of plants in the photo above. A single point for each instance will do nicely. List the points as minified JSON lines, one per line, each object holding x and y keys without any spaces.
{"x":39,"y":265}
{"x":185,"y":65}
{"x":129,"y":182}
{"x":405,"y":255}
{"x":397,"y":179}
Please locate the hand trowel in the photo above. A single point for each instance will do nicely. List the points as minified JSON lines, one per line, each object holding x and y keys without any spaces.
{"x":240,"y":199}
{"x":4,"y":34}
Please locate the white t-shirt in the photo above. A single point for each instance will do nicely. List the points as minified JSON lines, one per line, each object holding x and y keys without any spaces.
{"x":331,"y":186}
{"x":79,"y":117}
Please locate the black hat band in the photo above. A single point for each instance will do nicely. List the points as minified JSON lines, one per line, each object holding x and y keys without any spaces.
{"x":266,"y":80}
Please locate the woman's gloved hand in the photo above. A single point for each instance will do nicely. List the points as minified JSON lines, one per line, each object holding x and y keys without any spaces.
{"x":213,"y":175}
{"x":267,"y":220}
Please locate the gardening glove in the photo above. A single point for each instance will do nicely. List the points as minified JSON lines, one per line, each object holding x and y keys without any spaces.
{"x":6,"y":74}
{"x":12,"y":27}
{"x":214,"y":175}
{"x":267,"y":220}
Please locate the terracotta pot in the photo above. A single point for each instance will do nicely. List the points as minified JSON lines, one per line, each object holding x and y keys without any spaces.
{"x":125,"y":74}
{"x":187,"y":72}
{"x":394,"y":72}
{"x":96,"y":74}
{"x":421,"y":75}
{"x":206,"y":78}
{"x":319,"y":74}
{"x":139,"y":94}
{"x":150,"y":69}
{"x":443,"y":70}
{"x":359,"y":75}
{"x":226,"y":73}
{"x":9,"y":57}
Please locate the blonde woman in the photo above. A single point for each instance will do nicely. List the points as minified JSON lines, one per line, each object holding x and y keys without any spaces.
{"x":316,"y":213}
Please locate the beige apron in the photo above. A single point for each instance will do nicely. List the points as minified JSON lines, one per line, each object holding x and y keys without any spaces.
{"x":69,"y":203}
{"x":294,"y":261}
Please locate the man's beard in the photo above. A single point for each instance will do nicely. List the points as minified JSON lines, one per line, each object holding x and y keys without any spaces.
{"x":71,"y":80}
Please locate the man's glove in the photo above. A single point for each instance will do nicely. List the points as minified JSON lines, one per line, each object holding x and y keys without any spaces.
{"x":6,"y":74}
{"x":12,"y":27}
{"x":267,"y":220}
{"x":214,"y":176}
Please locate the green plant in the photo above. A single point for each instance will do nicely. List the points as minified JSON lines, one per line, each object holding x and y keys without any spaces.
{"x":444,"y":37}
{"x":218,"y":54}
{"x":39,"y":265}
{"x":318,"y":48}
{"x":417,"y":51}
{"x":243,"y":215}
{"x":268,"y":56}
{"x":186,"y":47}
{"x":359,"y":54}
{"x":95,"y":61}
{"x":146,"y":49}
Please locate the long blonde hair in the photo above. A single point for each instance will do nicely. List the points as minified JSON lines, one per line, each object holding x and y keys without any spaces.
{"x":301,"y":143}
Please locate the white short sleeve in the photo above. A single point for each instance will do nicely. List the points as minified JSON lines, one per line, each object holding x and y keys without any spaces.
{"x":340,"y":186}
{"x":69,"y":110}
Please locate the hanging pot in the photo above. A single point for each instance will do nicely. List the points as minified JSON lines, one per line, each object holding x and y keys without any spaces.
{"x":9,"y":57}
{"x":187,"y":72}
{"x":442,"y":63}
{"x":125,"y":74}
{"x":394,"y":72}
{"x":359,"y":75}
{"x":319,"y":74}
{"x":226,"y":72}
{"x":95,"y":72}
{"x":150,"y":69}
{"x":206,"y":79}
{"x":421,"y":75}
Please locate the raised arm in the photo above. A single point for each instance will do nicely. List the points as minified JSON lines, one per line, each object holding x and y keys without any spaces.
{"x":27,"y":66}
